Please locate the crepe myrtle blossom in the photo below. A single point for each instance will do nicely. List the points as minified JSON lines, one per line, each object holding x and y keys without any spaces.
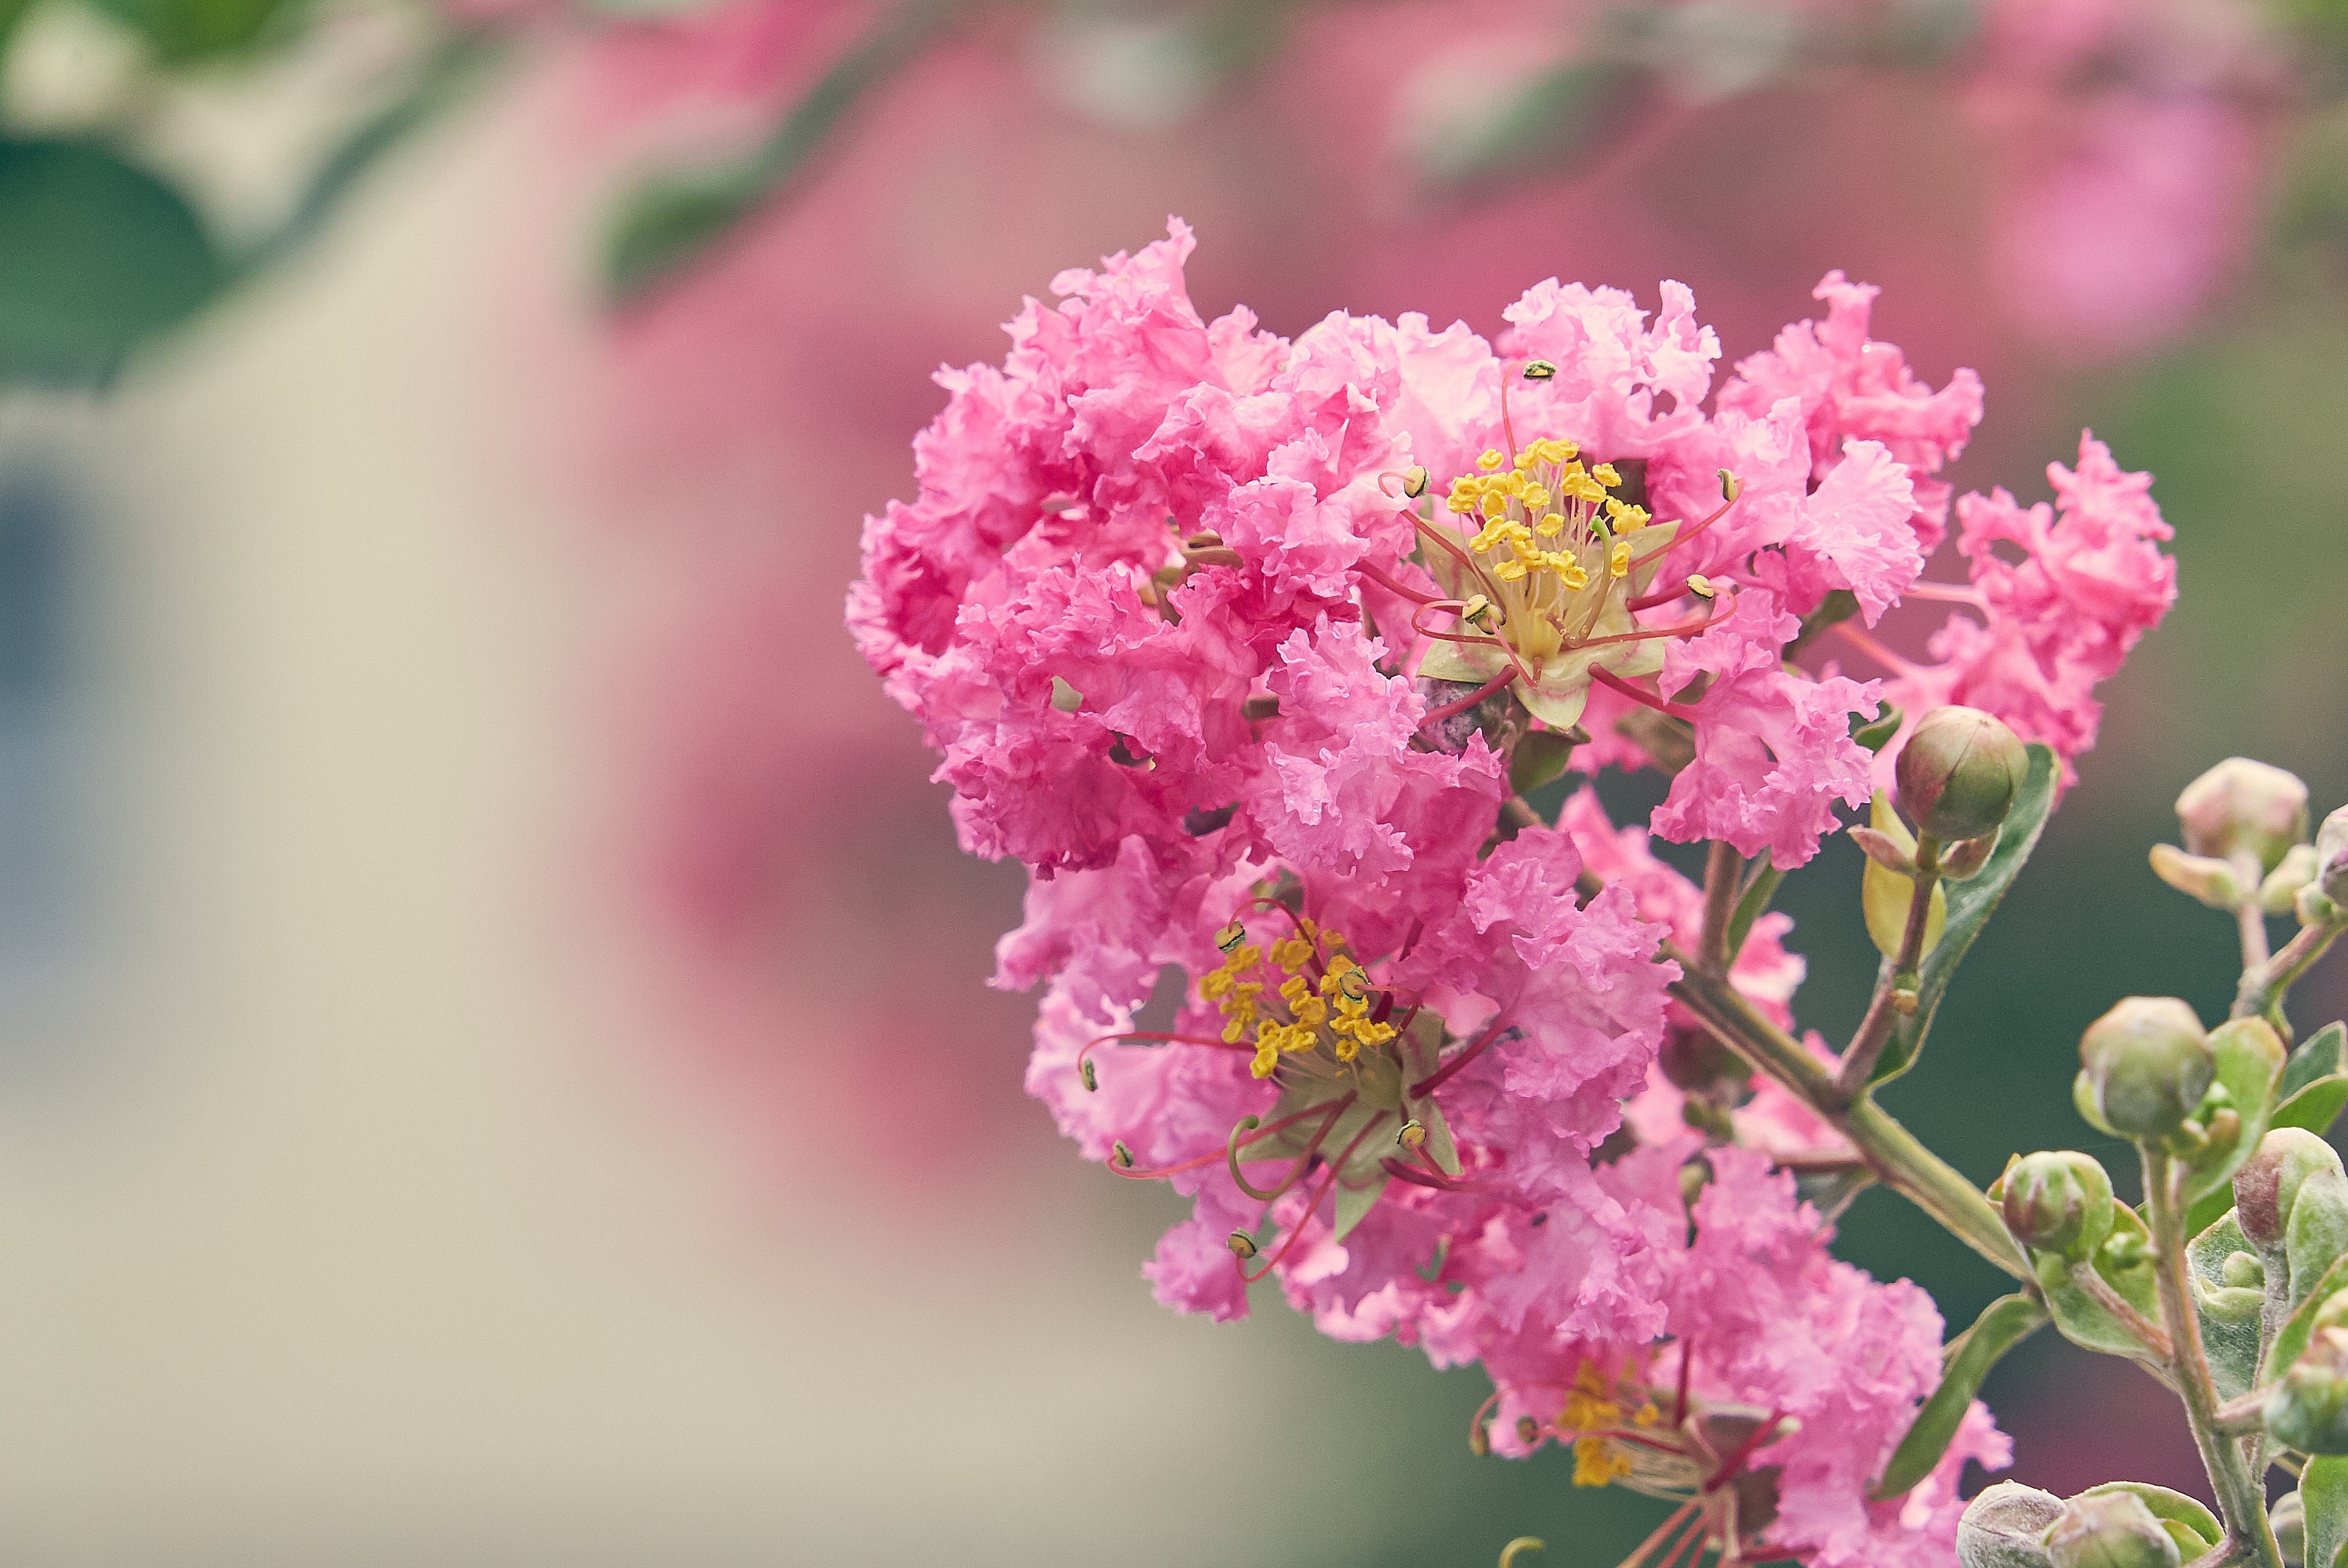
{"x":1769,"y":1400}
{"x":1346,"y":1108}
{"x":1134,"y":541}
{"x":1248,"y":649}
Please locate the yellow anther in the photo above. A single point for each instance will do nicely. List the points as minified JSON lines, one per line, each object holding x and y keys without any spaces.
{"x":1091,"y":1076}
{"x":1605,"y":474}
{"x":1731,"y":487}
{"x":1267,"y":1058}
{"x":1227,"y":940}
{"x":1243,"y":1246}
{"x":1509,"y":572}
{"x":1701,"y":586}
{"x":1461,"y":499}
{"x":1413,"y":482}
{"x":1496,"y":504}
{"x":1540,"y":370}
{"x":1490,"y":460}
{"x":1120,"y":1156}
{"x":1552,"y":525}
{"x":1412,"y":1135}
{"x":1596,"y":1463}
{"x":1476,"y":611}
{"x":1646,"y":1414}
{"x":1618,"y":559}
{"x":1290,"y":953}
{"x":1535,"y":498}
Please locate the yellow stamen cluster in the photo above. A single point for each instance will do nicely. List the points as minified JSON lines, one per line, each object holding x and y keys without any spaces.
{"x":1596,"y":1461}
{"x":1334,"y":1010}
{"x":1529,"y":505}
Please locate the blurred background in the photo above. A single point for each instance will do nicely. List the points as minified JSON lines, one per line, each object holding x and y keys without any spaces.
{"x":495,"y":1061}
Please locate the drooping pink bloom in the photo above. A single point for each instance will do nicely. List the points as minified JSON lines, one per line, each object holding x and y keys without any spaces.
{"x":2092,"y":581}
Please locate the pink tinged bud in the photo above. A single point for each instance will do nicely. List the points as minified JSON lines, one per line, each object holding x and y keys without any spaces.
{"x":2004,"y":1526}
{"x":2058,"y":1201}
{"x":2267,"y":1184}
{"x":2332,"y":856}
{"x":2244,"y":808}
{"x":2145,"y":1067}
{"x":1958,"y":773}
{"x":2110,"y":1530}
{"x":2309,"y":1411}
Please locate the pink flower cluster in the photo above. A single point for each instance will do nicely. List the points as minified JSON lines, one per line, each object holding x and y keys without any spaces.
{"x":1234,"y":642}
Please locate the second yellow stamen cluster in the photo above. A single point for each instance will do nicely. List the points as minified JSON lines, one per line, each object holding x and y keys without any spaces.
{"x":1596,"y":1461}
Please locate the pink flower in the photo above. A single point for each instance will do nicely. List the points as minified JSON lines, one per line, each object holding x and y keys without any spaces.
{"x":1773,"y":750}
{"x":2092,"y":581}
{"x":1850,"y":387}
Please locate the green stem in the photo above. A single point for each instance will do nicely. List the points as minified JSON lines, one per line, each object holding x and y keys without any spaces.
{"x":2263,"y":987}
{"x":1891,"y":1151}
{"x":1722,"y":868}
{"x":1759,"y":891}
{"x":2242,"y":1498}
{"x":1867,"y":1045}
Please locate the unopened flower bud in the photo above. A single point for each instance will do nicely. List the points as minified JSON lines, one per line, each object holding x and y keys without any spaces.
{"x":2005,"y":1527}
{"x":2244,"y":808}
{"x":2332,"y":856}
{"x":2144,"y":1068}
{"x":2309,"y":1409}
{"x":2267,"y":1184}
{"x":2058,"y":1201}
{"x":2242,"y":1270}
{"x":2202,"y":877}
{"x":1959,"y":772}
{"x":2109,"y":1530}
{"x":2288,"y":1518}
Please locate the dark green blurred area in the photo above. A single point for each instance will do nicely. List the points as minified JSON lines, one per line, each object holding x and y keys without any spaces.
{"x":2242,"y":429}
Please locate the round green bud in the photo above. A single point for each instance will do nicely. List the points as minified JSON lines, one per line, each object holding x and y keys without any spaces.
{"x":2144,"y":1067}
{"x":2244,"y":808}
{"x":2309,"y":1408}
{"x":2267,"y":1184}
{"x":2005,"y":1525}
{"x":1958,"y":773}
{"x":2109,"y":1530}
{"x":2058,"y":1201}
{"x":2289,"y":1517}
{"x":2242,"y":1270}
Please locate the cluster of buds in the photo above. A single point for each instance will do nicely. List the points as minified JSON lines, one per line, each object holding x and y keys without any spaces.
{"x":2247,"y":846}
{"x":2120,"y":1524}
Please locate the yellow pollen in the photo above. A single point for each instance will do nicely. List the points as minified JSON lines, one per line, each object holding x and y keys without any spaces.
{"x":1550,"y":526}
{"x":1618,"y":559}
{"x":1490,"y":460}
{"x":1291,"y":953}
{"x":1604,"y":474}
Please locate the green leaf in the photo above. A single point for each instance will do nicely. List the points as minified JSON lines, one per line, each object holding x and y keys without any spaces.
{"x":2318,"y":1057}
{"x":2291,"y":1339}
{"x":453,"y":66}
{"x":2208,"y":1211}
{"x":183,"y":31}
{"x":2003,"y":1324}
{"x":97,"y":257}
{"x":2190,"y":1524}
{"x":2230,"y":1314}
{"x":1756,"y":901}
{"x":673,"y":219}
{"x":1970,"y":903}
{"x":1884,"y":894}
{"x":2079,"y":1316}
{"x":2324,"y":1494}
{"x":1540,"y":756}
{"x":2249,"y":1058}
{"x":2316,"y":1106}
